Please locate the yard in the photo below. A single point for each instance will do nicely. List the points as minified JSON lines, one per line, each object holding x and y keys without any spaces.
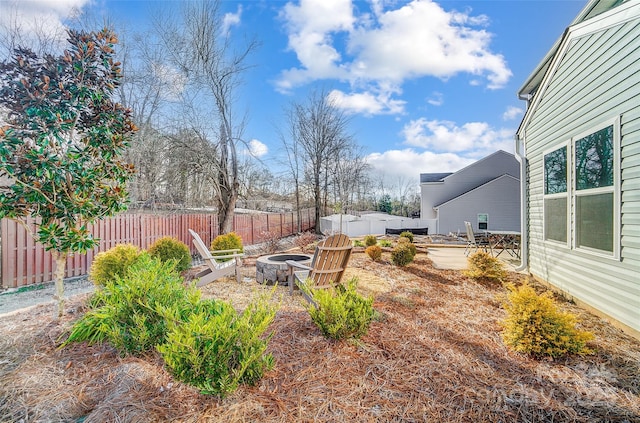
{"x":434,"y":355}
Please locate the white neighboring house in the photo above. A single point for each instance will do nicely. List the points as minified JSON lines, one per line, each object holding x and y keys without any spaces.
{"x":579,"y":145}
{"x":485,"y":193}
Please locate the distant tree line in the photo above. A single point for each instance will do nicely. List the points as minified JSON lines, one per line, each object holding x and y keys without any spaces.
{"x":181,"y":80}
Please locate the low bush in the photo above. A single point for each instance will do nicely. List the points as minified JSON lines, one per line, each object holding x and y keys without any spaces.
{"x":406,"y":241}
{"x":374,"y":252}
{"x":113,"y":263}
{"x":402,"y":254}
{"x":204,"y":343}
{"x":341,"y":312}
{"x":304,"y":240}
{"x":370,"y":240}
{"x":385,"y":243}
{"x":228,"y":241}
{"x":214,"y":349}
{"x":535,"y":325}
{"x":407,"y":234}
{"x":358,"y":243}
{"x":169,"y":248}
{"x":271,"y":241}
{"x":483,"y":265}
{"x":130,"y":312}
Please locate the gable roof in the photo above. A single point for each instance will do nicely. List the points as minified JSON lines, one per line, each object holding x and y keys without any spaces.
{"x":433,"y":177}
{"x":592,"y":9}
{"x":440,"y":177}
{"x":481,"y":187}
{"x":596,"y":15}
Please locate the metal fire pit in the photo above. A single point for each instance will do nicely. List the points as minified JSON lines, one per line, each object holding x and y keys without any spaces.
{"x":273,"y":269}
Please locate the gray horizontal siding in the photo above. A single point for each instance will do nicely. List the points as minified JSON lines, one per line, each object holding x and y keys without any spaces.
{"x":595,"y":82}
{"x":500,"y":199}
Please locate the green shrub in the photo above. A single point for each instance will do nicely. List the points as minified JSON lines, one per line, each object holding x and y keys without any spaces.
{"x":385,"y":243}
{"x":341,"y":312}
{"x":214,"y":349}
{"x":204,"y":343}
{"x":228,"y":241}
{"x":535,"y":325}
{"x":130,"y":311}
{"x":113,"y":263}
{"x":374,"y":251}
{"x":402,"y":254}
{"x":169,"y":248}
{"x":484,"y":266}
{"x":407,"y":234}
{"x":370,"y":240}
{"x":358,"y":243}
{"x":407,"y":242}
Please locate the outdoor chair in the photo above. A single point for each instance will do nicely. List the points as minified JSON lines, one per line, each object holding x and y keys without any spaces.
{"x":327,"y":266}
{"x":476,"y":241}
{"x":216,"y":266}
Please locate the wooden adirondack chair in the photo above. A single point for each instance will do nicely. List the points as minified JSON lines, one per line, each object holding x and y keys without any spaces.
{"x":327,"y":265}
{"x":216,"y":268}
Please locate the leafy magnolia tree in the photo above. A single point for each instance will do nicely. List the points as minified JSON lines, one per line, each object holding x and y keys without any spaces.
{"x":61,"y":138}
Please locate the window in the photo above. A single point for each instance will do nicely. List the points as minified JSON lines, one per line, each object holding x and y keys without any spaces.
{"x":555,"y":195}
{"x":594,"y":190}
{"x":581,"y":192}
{"x":483,"y":221}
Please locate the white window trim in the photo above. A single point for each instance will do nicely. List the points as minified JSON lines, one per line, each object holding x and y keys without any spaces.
{"x":615,"y":189}
{"x":565,"y":195}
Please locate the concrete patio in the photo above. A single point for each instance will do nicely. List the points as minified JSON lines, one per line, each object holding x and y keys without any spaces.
{"x":454,"y":258}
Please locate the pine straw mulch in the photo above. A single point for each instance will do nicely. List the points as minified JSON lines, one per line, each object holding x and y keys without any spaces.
{"x":434,"y":355}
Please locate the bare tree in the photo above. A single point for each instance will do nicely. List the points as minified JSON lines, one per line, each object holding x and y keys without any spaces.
{"x":320,"y":130}
{"x":294,"y":158}
{"x":350,"y":177}
{"x":37,"y":34}
{"x":197,"y":48}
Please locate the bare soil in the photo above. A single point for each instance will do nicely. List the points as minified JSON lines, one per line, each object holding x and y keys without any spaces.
{"x":435,"y":355}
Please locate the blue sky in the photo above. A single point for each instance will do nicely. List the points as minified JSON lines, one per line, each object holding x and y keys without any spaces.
{"x":430,"y":86}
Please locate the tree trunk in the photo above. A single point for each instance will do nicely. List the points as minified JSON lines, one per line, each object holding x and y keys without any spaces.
{"x":61,"y":264}
{"x":299,"y":215}
{"x":318,"y":202}
{"x":225,"y":215}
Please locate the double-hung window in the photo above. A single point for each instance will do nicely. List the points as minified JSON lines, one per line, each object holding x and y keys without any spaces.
{"x":581,"y":191}
{"x":555,"y":195}
{"x":595,"y":198}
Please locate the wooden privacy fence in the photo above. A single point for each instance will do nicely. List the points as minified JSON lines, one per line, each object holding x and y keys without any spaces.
{"x":25,"y":262}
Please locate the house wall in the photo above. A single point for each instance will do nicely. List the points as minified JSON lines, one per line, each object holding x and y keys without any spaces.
{"x":500,"y":199}
{"x":484,"y":170}
{"x":595,"y":81}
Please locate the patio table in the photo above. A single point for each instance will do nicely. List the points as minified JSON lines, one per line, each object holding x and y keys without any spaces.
{"x":508,"y":241}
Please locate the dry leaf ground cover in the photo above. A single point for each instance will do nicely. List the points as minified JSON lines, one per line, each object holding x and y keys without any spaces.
{"x":434,"y":355}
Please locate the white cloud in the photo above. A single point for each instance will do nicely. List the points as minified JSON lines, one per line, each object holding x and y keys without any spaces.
{"x":410,"y":164}
{"x":39,"y":19}
{"x":512,"y":113}
{"x":477,"y":138}
{"x":389,"y":46}
{"x":231,"y":19}
{"x":366,"y":103}
{"x":436,"y":99}
{"x":257,"y":148}
{"x":310,"y":26}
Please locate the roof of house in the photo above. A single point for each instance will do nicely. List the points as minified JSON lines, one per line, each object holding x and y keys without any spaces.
{"x":593,"y":8}
{"x":433,"y":177}
{"x":483,"y":186}
{"x":440,"y":177}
